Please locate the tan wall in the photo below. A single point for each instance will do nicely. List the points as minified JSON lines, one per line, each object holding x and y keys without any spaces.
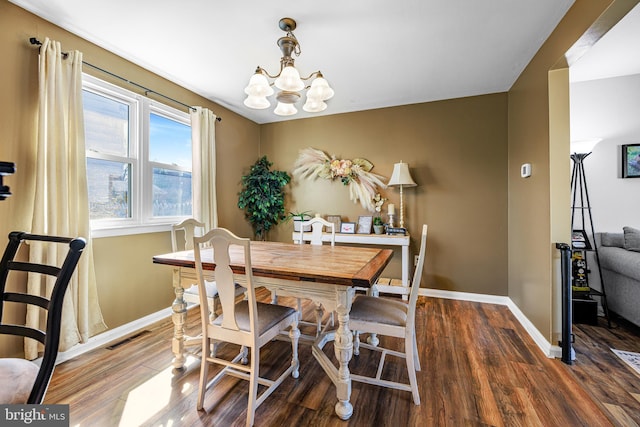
{"x":537,"y":216}
{"x":130,"y":286}
{"x":457,"y":154}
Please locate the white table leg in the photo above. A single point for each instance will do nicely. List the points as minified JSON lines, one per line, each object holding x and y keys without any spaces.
{"x":405,"y":270}
{"x":179,"y":318}
{"x":343,"y":347}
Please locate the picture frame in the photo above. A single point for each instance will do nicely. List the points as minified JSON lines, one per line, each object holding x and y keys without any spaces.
{"x":365,"y":222}
{"x":580,"y":241}
{"x":336,"y":220}
{"x":348,"y":227}
{"x":631,"y":161}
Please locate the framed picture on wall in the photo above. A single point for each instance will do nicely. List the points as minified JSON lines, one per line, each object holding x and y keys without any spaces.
{"x":631,"y":161}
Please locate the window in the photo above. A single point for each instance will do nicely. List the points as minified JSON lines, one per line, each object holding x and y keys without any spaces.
{"x":138,"y":160}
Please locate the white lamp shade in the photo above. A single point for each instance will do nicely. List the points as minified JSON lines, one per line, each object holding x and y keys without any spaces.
{"x":289,"y":80}
{"x":401,"y":176}
{"x":314,"y":105}
{"x":283,"y":109}
{"x":258,"y":86}
{"x":584,"y":146}
{"x":257,"y":102}
{"x":320,"y":89}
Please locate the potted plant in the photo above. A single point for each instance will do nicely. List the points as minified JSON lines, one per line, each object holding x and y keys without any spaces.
{"x":298,"y":217}
{"x":262,"y":197}
{"x":378,"y":226}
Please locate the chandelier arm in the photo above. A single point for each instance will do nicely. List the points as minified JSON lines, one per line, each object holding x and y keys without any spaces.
{"x":262,"y":70}
{"x":314,"y":74}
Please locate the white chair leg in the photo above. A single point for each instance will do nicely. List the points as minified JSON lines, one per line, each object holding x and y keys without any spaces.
{"x":415,"y":351}
{"x":204,"y":373}
{"x":294,"y":334}
{"x":356,"y":343}
{"x":253,"y":385}
{"x":411,"y":369}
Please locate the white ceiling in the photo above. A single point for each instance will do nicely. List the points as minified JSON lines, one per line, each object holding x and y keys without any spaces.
{"x":374,"y":53}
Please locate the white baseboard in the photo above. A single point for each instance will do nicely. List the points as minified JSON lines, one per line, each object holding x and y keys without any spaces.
{"x":549,"y":350}
{"x":114,"y":334}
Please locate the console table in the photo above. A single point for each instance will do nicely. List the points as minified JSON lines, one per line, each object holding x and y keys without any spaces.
{"x":376,"y":240}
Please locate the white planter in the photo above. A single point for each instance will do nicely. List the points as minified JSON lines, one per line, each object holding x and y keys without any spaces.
{"x":297,"y":220}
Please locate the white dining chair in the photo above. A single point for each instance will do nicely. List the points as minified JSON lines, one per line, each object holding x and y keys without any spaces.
{"x":191,"y":228}
{"x":317,"y":225}
{"x":247,"y":323}
{"x":391,"y":317}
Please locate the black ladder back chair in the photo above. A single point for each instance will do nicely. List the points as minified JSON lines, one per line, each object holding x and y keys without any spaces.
{"x":29,"y":379}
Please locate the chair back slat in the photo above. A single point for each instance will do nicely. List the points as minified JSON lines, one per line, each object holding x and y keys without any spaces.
{"x":219,"y":241}
{"x":24,"y":332}
{"x":26,"y":299}
{"x":50,"y":270}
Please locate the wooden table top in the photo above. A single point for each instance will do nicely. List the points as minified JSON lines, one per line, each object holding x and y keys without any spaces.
{"x":342,"y":265}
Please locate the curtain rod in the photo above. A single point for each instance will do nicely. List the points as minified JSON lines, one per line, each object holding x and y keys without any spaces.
{"x":37,"y":42}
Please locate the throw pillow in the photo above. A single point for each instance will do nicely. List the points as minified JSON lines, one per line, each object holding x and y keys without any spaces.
{"x":612,"y":239}
{"x":631,"y":239}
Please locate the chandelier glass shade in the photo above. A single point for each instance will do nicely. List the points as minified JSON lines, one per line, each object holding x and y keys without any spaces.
{"x":288,"y":80}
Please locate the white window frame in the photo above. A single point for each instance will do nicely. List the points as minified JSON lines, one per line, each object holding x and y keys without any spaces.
{"x":140,"y":108}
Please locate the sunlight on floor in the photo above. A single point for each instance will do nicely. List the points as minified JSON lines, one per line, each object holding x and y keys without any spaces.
{"x":152,"y":396}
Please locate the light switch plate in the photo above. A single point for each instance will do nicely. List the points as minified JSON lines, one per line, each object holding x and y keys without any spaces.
{"x":525,"y":170}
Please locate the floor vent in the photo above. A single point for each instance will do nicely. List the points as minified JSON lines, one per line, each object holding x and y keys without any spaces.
{"x":127,"y":340}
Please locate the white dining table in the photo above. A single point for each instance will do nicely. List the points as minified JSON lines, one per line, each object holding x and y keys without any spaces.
{"x":323,"y":274}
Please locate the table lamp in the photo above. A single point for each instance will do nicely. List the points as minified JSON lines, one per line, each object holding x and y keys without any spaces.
{"x":401,"y":178}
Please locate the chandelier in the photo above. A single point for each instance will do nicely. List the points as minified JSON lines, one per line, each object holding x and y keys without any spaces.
{"x":288,"y":80}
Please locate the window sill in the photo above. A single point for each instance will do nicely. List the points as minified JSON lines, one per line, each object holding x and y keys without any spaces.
{"x":97,"y":233}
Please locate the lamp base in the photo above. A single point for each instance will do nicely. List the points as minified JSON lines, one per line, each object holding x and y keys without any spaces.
{"x":392,"y":220}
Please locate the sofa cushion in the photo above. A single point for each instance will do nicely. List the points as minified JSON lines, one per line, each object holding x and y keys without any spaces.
{"x":631,"y":239}
{"x":621,"y":261}
{"x":612,"y":239}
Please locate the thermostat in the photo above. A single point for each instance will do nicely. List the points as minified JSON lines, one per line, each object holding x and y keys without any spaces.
{"x":525,"y":170}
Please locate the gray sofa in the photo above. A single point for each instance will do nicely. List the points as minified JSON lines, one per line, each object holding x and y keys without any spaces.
{"x":620,"y":264}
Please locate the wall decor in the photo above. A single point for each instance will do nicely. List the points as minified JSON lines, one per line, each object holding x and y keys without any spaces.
{"x":348,"y":227}
{"x":356,"y":174}
{"x":364,"y":224}
{"x":631,"y":161}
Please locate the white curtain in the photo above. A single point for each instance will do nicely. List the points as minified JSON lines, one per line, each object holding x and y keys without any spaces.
{"x":60,"y":201}
{"x":203,"y":139}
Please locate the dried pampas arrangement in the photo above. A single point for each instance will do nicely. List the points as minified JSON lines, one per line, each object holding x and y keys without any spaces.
{"x":356,"y":173}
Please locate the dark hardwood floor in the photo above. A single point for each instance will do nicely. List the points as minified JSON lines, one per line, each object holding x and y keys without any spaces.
{"x":610,"y":382}
{"x":479,"y":368}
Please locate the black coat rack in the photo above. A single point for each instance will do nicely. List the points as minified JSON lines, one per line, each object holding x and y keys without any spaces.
{"x":581,"y":205}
